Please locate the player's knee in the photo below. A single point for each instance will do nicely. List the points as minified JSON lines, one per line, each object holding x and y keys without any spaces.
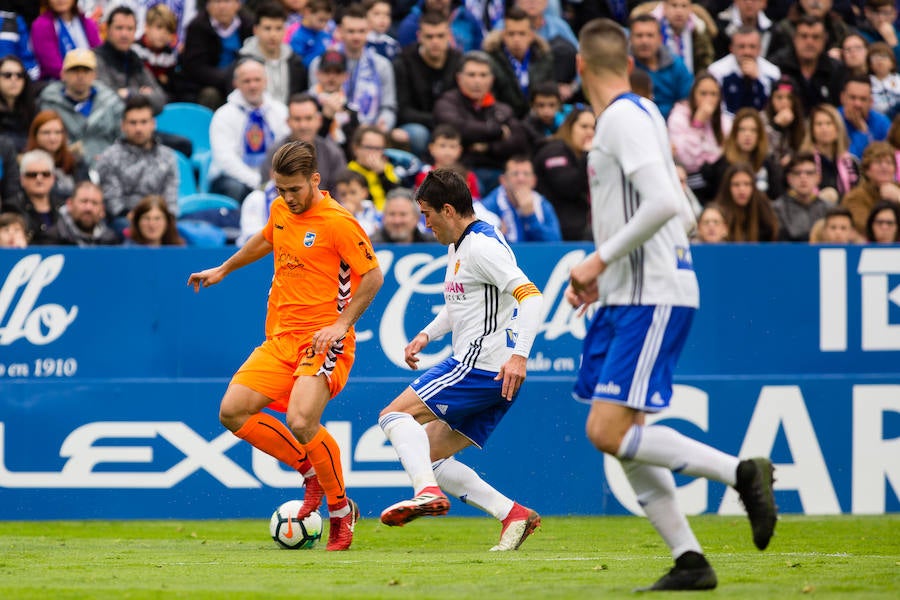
{"x":230,"y":418}
{"x":302,"y":426}
{"x":603,"y":439}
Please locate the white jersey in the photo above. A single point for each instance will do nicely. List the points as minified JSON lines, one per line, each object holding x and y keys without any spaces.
{"x":481,"y":276}
{"x":648,"y":261}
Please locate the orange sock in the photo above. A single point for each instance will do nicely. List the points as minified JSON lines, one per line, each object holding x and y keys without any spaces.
{"x":270,"y":435}
{"x":325,"y":456}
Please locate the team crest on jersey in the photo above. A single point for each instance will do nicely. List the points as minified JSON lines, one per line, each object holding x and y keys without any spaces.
{"x":456,"y":268}
{"x":683,"y":258}
{"x":309,"y":239}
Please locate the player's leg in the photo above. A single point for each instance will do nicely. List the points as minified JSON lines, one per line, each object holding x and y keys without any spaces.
{"x":309,"y":396}
{"x":637,"y":375}
{"x":655,"y":490}
{"x":402,"y":422}
{"x":264,"y":380}
{"x":461,"y":481}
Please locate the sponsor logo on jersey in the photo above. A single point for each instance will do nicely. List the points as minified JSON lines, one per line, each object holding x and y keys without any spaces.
{"x":309,"y":239}
{"x":607,"y":389}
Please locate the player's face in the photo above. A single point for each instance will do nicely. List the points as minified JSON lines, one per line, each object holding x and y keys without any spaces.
{"x":152,"y":225}
{"x":138,"y":126}
{"x":437,"y":223}
{"x":304,"y":120}
{"x":741,"y":187}
{"x":824,"y":129}
{"x":298,"y":191}
{"x":838,"y":230}
{"x":269,"y":32}
{"x":120,"y":33}
{"x":445,"y":151}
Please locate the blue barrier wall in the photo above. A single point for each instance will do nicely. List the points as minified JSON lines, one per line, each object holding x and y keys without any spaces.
{"x":111,"y":371}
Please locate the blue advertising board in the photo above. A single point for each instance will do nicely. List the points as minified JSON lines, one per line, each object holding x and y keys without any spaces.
{"x":111,"y":370}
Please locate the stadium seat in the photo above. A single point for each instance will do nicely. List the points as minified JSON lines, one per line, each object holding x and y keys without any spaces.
{"x":187,"y":181}
{"x":215,"y":209}
{"x":191,"y":121}
{"x":406,"y":164}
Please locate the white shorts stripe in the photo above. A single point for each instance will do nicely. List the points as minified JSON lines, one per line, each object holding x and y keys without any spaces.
{"x":640,"y":383}
{"x":433,"y":387}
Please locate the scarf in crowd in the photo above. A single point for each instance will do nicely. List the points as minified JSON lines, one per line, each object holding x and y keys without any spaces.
{"x":521,"y":69}
{"x":271,"y":194}
{"x":488,"y":12}
{"x":258,"y":138}
{"x":509,"y":217}
{"x":363,"y":89}
{"x":66,"y":41}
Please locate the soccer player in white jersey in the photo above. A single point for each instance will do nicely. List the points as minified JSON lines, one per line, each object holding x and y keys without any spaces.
{"x":642,"y":276}
{"x":493,"y":312}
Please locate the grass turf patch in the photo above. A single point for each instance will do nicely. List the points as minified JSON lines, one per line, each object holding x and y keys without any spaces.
{"x":570,"y":557}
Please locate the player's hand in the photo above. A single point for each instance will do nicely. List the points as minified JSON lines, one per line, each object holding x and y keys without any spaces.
{"x":513,"y":374}
{"x":414,"y":347}
{"x":581,"y":300}
{"x":326,"y":337}
{"x":206,"y":278}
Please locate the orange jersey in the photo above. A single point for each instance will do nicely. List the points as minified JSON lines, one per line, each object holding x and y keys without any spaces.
{"x":320,"y":256}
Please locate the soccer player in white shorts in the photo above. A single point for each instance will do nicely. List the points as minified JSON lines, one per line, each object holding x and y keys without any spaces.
{"x":493,"y":312}
{"x":642,"y":276}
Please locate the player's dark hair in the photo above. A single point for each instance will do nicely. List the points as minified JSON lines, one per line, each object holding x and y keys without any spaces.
{"x":295,"y":158}
{"x":446,"y":186}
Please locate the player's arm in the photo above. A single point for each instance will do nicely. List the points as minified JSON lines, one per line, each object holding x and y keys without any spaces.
{"x":255,"y":248}
{"x":514,"y":370}
{"x":369,"y":284}
{"x":438,"y":327}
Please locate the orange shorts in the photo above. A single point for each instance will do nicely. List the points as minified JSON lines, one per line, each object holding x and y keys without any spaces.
{"x":273,"y":367}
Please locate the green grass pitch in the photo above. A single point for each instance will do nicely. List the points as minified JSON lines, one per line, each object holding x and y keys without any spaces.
{"x":446,"y":557}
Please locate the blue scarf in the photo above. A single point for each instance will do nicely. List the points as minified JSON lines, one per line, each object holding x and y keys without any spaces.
{"x":258,"y":138}
{"x":271,"y":194}
{"x":66,"y":43}
{"x":521,"y":69}
{"x":364,"y":89}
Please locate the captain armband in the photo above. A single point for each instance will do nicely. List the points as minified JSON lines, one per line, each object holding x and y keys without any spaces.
{"x":526,"y":290}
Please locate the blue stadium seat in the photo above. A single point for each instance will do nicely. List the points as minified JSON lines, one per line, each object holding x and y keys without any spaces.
{"x":191,"y":121}
{"x":187,"y":181}
{"x":214,"y":209}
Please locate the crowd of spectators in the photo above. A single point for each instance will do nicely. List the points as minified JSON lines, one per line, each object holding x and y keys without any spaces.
{"x":784,"y":117}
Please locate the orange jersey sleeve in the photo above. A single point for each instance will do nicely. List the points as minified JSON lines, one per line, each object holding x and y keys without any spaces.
{"x":319,"y":258}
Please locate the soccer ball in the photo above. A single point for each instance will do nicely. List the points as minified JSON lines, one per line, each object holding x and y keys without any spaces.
{"x":290,"y":532}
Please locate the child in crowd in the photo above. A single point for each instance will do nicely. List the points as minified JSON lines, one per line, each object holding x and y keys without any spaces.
{"x":546,"y":114}
{"x":294,"y":10}
{"x":378,"y":14}
{"x":157,"y":46}
{"x":13,"y":232}
{"x":712,"y":226}
{"x":352,"y":191}
{"x":313,"y":36}
{"x":446,"y":149}
{"x":885,"y":80}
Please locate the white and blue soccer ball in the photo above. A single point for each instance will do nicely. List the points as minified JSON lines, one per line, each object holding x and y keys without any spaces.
{"x":290,"y":532}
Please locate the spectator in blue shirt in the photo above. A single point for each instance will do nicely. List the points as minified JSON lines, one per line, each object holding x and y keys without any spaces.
{"x":671,"y":79}
{"x":14,"y":40}
{"x":466,"y":30}
{"x":525,"y":215}
{"x":864,"y":125}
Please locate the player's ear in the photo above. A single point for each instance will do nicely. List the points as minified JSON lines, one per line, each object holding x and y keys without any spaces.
{"x":315,"y":179}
